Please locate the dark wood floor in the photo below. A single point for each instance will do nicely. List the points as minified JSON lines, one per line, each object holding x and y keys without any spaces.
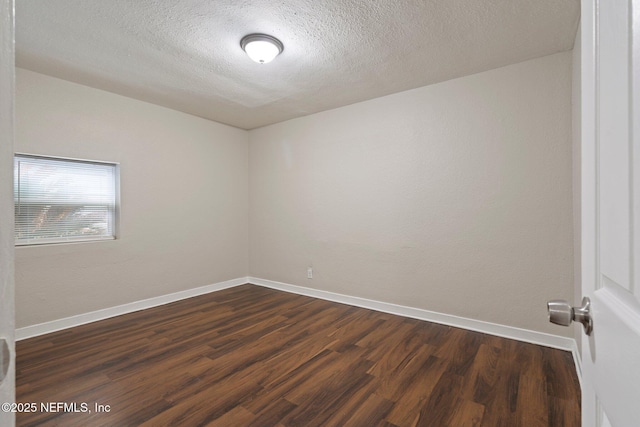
{"x":251,"y":356}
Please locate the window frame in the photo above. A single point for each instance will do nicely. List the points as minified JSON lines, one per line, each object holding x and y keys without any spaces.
{"x":77,"y":240}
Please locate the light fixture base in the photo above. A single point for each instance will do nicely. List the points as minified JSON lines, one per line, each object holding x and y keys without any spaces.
{"x":262,"y":48}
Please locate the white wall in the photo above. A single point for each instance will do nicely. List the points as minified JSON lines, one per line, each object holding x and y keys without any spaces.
{"x":456,"y":197}
{"x":184,"y":183}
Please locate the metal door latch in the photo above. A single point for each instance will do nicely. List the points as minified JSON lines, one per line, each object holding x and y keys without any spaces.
{"x":561,"y":313}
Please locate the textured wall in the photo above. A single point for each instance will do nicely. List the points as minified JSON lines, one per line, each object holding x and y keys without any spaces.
{"x":183,"y":192}
{"x":455,"y":197}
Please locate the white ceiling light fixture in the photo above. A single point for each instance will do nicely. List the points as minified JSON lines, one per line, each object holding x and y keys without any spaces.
{"x":261,"y":47}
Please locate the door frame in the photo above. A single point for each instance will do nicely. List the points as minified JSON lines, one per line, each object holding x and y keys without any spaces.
{"x":588,"y":182}
{"x":7,"y":249}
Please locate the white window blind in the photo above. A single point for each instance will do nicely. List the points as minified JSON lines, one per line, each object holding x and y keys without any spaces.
{"x":59,"y":200}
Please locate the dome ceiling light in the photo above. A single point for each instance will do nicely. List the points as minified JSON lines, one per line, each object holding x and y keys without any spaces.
{"x":261,"y":47}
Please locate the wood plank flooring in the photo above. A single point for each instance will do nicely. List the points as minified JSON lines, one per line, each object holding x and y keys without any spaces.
{"x":251,"y":356}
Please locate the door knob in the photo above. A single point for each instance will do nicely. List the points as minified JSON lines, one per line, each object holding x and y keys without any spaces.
{"x":5,"y":359}
{"x":561,"y":313}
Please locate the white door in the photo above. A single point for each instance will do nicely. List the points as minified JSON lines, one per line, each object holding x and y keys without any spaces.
{"x":610,"y":39}
{"x":7,"y":73}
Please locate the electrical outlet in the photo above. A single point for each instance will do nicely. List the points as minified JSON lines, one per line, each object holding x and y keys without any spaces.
{"x":310,"y":273}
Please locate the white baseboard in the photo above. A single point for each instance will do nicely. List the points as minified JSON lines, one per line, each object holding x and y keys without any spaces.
{"x":504,"y":331}
{"x":81,"y":319}
{"x":511,"y":332}
{"x":577,"y":360}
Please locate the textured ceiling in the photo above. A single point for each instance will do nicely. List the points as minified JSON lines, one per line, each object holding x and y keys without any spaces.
{"x":186,"y":55}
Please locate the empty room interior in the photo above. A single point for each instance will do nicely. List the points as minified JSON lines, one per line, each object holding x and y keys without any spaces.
{"x":298,"y":213}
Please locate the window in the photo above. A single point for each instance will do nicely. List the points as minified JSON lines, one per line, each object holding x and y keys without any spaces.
{"x":61,"y":200}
